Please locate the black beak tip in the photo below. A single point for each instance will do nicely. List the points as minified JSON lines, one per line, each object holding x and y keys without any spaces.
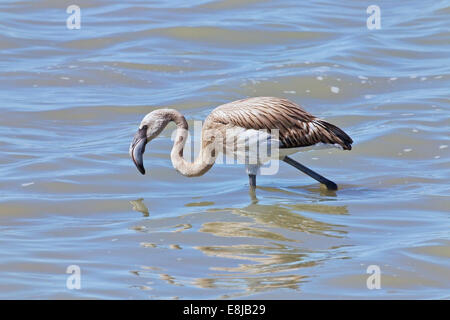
{"x":137,"y":149}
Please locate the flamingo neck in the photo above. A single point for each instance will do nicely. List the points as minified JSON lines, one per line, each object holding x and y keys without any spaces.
{"x":205,"y":159}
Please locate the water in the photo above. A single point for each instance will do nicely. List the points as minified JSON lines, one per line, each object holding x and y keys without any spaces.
{"x":71,"y":101}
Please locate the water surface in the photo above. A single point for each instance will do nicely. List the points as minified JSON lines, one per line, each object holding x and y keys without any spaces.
{"x":71,"y":101}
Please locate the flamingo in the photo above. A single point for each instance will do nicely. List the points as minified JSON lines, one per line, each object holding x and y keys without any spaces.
{"x":297,"y":130}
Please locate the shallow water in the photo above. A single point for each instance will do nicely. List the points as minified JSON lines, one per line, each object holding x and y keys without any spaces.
{"x":71,"y":101}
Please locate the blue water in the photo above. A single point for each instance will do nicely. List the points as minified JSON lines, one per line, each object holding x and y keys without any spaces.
{"x":71,"y":101}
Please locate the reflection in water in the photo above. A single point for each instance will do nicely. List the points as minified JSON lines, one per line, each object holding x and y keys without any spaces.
{"x":139,"y":205}
{"x":182,"y":227}
{"x":318,"y":189}
{"x":199,"y":204}
{"x":251,"y":284}
{"x":266,"y":265}
{"x":170,"y":279}
{"x":240,"y":229}
{"x":263,"y":245}
{"x":283,"y":216}
{"x":265,"y":259}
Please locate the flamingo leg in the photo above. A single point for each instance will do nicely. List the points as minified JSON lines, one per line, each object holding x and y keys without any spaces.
{"x":330,"y":184}
{"x":252,"y":180}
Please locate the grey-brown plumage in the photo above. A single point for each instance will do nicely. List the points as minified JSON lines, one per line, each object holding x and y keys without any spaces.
{"x":297,"y":127}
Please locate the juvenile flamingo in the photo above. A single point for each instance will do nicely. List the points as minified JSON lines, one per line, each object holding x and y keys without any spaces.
{"x":297,"y":130}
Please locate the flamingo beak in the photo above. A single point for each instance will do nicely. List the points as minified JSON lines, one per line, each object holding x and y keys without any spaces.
{"x":137,"y":148}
